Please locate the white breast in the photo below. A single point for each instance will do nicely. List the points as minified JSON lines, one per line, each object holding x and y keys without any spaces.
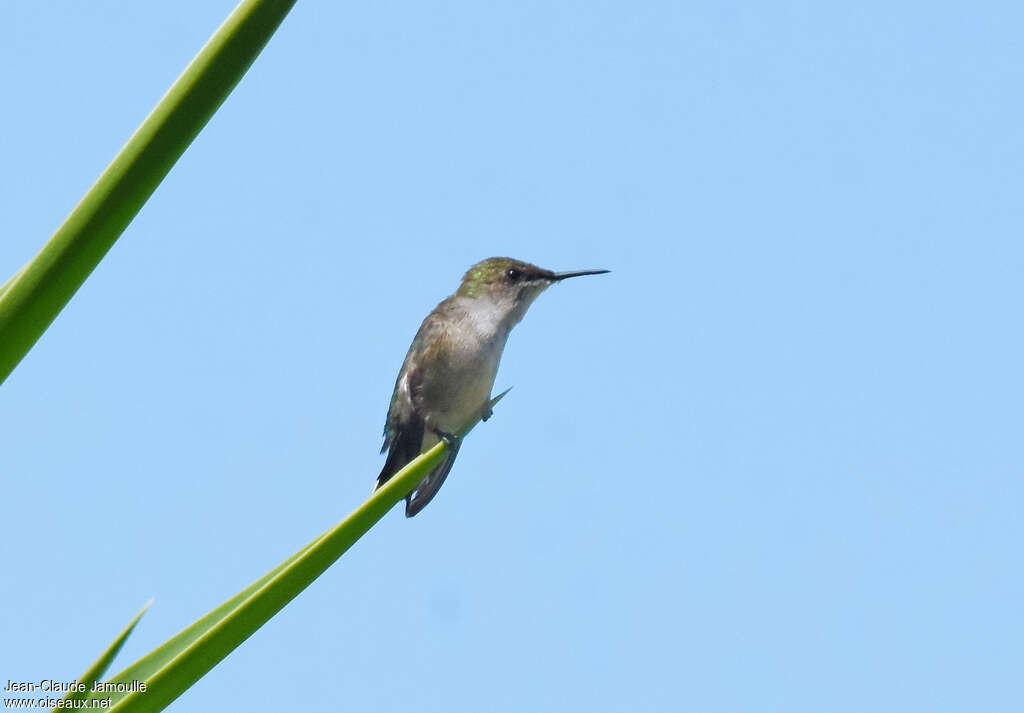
{"x":480,"y":340}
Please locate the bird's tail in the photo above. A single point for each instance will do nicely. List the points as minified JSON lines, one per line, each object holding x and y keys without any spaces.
{"x":428,"y":487}
{"x":403,"y":449}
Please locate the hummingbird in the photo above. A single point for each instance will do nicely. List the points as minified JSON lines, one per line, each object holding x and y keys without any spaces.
{"x":445,"y":382}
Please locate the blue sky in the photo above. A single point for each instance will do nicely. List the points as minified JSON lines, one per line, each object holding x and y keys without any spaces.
{"x":772,"y":462}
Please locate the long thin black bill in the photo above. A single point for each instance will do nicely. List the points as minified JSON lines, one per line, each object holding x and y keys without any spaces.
{"x":565,"y":275}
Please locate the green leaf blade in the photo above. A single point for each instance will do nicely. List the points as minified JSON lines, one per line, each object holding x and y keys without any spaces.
{"x":106,"y":658}
{"x":33,"y":298}
{"x":170,"y":669}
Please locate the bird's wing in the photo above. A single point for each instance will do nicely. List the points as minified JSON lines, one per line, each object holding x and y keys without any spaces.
{"x":407,"y":396}
{"x":403,"y":431}
{"x":405,"y":424}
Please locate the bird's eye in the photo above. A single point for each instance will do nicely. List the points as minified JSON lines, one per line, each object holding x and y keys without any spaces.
{"x":513,"y":274}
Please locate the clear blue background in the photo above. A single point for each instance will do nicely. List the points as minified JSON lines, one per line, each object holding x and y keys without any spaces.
{"x":772,"y":462}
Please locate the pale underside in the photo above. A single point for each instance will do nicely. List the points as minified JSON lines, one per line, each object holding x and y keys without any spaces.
{"x":443,"y":386}
{"x":445,"y":383}
{"x":449,"y":371}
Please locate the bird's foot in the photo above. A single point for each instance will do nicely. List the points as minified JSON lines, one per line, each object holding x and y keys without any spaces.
{"x":450,"y":439}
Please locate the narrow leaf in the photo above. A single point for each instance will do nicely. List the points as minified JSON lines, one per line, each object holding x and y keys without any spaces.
{"x":10,"y":281}
{"x":103,"y":662}
{"x":29,"y":303}
{"x":169,"y":670}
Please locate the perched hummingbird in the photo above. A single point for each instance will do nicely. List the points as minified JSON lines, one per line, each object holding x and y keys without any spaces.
{"x":445,"y":382}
